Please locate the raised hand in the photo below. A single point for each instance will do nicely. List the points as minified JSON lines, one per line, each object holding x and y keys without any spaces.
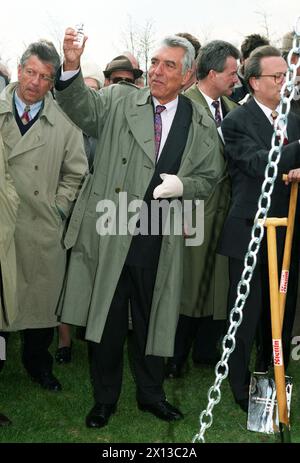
{"x":72,"y":50}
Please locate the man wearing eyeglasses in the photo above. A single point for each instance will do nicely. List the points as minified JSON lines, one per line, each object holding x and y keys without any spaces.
{"x":46,"y":161}
{"x":247,"y":132}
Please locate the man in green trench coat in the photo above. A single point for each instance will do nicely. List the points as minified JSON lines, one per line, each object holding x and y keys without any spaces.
{"x":107,"y":270}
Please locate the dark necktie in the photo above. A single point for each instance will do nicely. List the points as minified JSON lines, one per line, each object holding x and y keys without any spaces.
{"x":25,"y":116}
{"x":157,"y":128}
{"x":274,"y":115}
{"x":218,"y":119}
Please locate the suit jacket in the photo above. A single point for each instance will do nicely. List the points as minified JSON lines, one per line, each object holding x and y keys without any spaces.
{"x":247,"y":133}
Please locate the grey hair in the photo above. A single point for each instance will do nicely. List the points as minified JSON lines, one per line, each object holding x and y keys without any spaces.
{"x":45,"y":51}
{"x":213,"y":56}
{"x":173,"y":41}
{"x":252,"y":66}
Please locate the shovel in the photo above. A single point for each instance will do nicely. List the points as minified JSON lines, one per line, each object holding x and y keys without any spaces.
{"x":277,"y":302}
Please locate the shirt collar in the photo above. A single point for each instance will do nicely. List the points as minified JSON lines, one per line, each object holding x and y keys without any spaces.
{"x":267,"y":111}
{"x":171,"y":106}
{"x":20,"y":105}
{"x":208,"y":99}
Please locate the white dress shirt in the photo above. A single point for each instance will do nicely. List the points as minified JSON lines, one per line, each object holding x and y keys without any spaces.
{"x":209,"y":101}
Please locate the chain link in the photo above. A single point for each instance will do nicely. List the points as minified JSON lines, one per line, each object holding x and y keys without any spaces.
{"x":257,"y":233}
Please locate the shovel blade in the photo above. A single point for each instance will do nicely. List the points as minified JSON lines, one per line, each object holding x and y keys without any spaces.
{"x":263,"y":410}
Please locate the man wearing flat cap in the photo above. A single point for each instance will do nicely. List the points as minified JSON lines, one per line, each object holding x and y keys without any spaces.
{"x":121,"y":69}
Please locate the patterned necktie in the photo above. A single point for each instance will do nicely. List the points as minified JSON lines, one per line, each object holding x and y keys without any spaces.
{"x":218,"y":119}
{"x":25,"y":116}
{"x":157,"y":128}
{"x":274,"y":115}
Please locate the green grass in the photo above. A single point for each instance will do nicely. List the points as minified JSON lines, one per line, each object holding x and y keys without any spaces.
{"x":43,"y":417}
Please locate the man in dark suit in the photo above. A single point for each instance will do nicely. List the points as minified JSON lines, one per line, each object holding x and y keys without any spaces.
{"x":106,"y":271}
{"x":247,"y":132}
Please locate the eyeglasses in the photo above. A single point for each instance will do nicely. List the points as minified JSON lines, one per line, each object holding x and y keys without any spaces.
{"x":33,"y":74}
{"x":116,"y":80}
{"x":278,"y":77}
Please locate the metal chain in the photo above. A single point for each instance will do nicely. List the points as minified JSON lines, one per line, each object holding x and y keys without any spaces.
{"x":257,"y":233}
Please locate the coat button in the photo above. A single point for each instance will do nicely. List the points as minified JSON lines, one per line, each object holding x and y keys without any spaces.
{"x":36,"y":192}
{"x":36,"y":167}
{"x":124,"y":160}
{"x":117,"y":190}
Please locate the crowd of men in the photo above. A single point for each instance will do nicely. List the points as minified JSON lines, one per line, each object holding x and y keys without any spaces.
{"x":75,"y":141}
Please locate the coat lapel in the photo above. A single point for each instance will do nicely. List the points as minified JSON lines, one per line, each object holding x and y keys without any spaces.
{"x":140,"y":119}
{"x":21,"y":145}
{"x":264,"y":128}
{"x":17,"y":143}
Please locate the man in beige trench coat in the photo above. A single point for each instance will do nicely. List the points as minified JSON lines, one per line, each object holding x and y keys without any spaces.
{"x":8,"y":211}
{"x":46,"y":161}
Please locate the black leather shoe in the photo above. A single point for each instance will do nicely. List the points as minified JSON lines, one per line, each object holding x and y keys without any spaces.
{"x":173,"y":369}
{"x":64,"y":354}
{"x":4,"y":421}
{"x":48,"y":381}
{"x":243,"y":404}
{"x":162,"y":410}
{"x":99,"y":415}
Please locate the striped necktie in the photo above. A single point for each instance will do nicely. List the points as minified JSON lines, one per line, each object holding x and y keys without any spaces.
{"x":25,"y":118}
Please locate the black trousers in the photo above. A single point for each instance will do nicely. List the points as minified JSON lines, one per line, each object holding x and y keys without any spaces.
{"x":135,"y":286}
{"x":36,"y":357}
{"x":201,"y":334}
{"x":256,"y":319}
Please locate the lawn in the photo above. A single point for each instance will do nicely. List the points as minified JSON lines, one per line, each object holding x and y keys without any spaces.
{"x":43,"y":417}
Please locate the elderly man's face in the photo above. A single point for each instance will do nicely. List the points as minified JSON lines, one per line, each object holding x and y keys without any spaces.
{"x":35,"y":80}
{"x":165,"y":74}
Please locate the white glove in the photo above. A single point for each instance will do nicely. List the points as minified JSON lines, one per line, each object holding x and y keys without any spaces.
{"x":171,"y":187}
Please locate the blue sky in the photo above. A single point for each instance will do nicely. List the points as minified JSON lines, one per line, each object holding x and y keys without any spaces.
{"x":25,"y":21}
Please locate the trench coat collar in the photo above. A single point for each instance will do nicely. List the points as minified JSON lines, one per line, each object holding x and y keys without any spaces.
{"x":6,"y":103}
{"x":17,"y":143}
{"x":140,"y":118}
